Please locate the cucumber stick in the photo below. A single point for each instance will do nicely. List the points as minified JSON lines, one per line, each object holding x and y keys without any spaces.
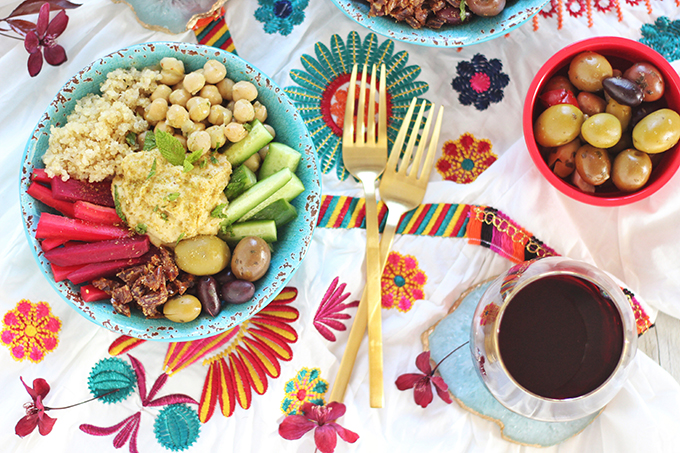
{"x":252,"y":197}
{"x":241,"y":180}
{"x":279,"y":156}
{"x":281,"y":212}
{"x":265,"y":229}
{"x":239,"y":152}
{"x":292,"y":189}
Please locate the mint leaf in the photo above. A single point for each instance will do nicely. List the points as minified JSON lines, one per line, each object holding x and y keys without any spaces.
{"x":152,"y":172}
{"x":170,"y":148}
{"x":187,"y":166}
{"x":179,"y":239}
{"x":194,"y":156}
{"x":116,"y":202}
{"x":218,"y":211}
{"x":131,"y":139}
{"x":149,"y":141}
{"x":140,"y":228}
{"x":172,"y":196}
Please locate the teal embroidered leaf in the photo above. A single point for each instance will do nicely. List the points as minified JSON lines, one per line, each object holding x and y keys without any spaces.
{"x":110,"y":374}
{"x":314,"y":374}
{"x":309,"y":81}
{"x":320,"y":387}
{"x":339,"y":51}
{"x":290,"y":386}
{"x":325,"y":58}
{"x":177,"y":427}
{"x":369,"y":50}
{"x":354,"y":49}
{"x":315,"y":70}
{"x":302,"y":94}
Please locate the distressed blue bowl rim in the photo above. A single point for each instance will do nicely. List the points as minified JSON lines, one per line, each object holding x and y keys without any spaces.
{"x":294,"y":238}
{"x":479,"y":30}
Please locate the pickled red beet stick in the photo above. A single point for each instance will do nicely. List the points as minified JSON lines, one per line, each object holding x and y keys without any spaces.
{"x":59,"y":227}
{"x":91,"y":294}
{"x":74,"y":190}
{"x":84,"y":210}
{"x":92,"y":271}
{"x":44,"y":195}
{"x":100,"y":251}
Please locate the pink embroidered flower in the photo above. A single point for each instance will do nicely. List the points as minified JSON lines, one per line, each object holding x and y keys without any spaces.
{"x":44,"y":38}
{"x":321,"y":419}
{"x":489,"y":314}
{"x":328,"y":316}
{"x":35,"y":411}
{"x":465,"y":159}
{"x":30,"y":331}
{"x":420,"y":382}
{"x":402,"y":282}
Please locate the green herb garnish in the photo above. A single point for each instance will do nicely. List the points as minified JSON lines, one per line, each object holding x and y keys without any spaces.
{"x":152,"y":172}
{"x":179,"y":238}
{"x":213,"y":160}
{"x":164,"y":216}
{"x":116,"y":202}
{"x":131,"y":139}
{"x":463,"y":12}
{"x":140,"y":228}
{"x":170,"y":148}
{"x":172,"y":196}
{"x":149,"y":141}
{"x":191,"y":159}
{"x":218,"y":211}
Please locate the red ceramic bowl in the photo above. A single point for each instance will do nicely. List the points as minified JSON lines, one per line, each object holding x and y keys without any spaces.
{"x":621,"y":53}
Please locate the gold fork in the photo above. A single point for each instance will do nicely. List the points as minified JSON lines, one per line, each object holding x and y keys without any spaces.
{"x":401,"y":190}
{"x":365,"y":157}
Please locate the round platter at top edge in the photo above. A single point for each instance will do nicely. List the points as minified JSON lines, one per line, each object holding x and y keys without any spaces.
{"x":478,"y":30}
{"x":288,"y":254}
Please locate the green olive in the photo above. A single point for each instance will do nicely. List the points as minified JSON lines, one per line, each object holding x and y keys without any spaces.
{"x":593,"y":164}
{"x":202,"y":255}
{"x":561,"y":159}
{"x":558,"y":125}
{"x":588,"y":69}
{"x":657,"y":132}
{"x":183,"y":308}
{"x":602,"y":130}
{"x":623,"y":112}
{"x":631,"y":170}
{"x":251,"y":259}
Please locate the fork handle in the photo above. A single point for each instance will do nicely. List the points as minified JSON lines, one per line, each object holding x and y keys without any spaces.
{"x":358,"y":329}
{"x":373,"y":307}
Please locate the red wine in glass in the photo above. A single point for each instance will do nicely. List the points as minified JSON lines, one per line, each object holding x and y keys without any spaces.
{"x":560,"y":337}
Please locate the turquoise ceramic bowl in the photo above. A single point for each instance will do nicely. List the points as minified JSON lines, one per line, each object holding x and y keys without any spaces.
{"x":294,"y":238}
{"x":478,"y":30}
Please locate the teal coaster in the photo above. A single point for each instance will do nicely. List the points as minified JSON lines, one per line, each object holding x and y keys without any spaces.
{"x":467,"y":388}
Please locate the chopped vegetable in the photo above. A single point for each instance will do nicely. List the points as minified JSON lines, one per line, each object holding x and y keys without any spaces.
{"x":84,"y":210}
{"x":100,"y":251}
{"x":74,"y":190}
{"x":96,"y":270}
{"x":44,"y":195}
{"x":52,"y":226}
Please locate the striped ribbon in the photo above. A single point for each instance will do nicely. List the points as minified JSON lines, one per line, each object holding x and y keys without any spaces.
{"x":215,"y":33}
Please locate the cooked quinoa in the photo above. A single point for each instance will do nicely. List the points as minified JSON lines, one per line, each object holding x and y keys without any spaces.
{"x":93,"y":143}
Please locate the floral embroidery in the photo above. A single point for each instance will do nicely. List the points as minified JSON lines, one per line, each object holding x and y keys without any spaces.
{"x":322,"y":91}
{"x":480,"y":82}
{"x":30,"y":331}
{"x":329,"y":310}
{"x":465,"y":159}
{"x":176,"y":426}
{"x":489,"y":314}
{"x":641,"y":318}
{"x":663,"y":36}
{"x":402,"y":282}
{"x":577,"y":8}
{"x":306,"y":387}
{"x":280,"y":16}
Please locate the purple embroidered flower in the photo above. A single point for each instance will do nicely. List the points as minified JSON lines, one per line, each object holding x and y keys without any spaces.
{"x":44,"y":38}
{"x":480,"y":82}
{"x":328,"y":313}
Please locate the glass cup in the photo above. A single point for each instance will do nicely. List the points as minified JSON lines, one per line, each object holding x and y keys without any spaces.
{"x":553,"y":339}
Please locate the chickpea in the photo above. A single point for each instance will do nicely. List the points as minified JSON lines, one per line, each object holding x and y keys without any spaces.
{"x":217,"y":114}
{"x":270,"y":130}
{"x":182,"y":139}
{"x":199,"y":110}
{"x":193,"y":82}
{"x":260,"y":111}
{"x":189,"y":126}
{"x":179,"y":96}
{"x":164,"y":126}
{"x":198,"y":140}
{"x":243,"y":111}
{"x":140,"y":140}
{"x":156,"y":111}
{"x":217,"y":137}
{"x":170,"y":77}
{"x":177,"y":116}
{"x":211,"y":93}
{"x":225,"y":86}
{"x":263,"y":152}
{"x":194,"y":101}
{"x":161,"y":91}
{"x":230,"y":105}
{"x":214,"y":71}
{"x":244,"y":90}
{"x":235,"y":132}
{"x":253,"y":162}
{"x":172,"y":70}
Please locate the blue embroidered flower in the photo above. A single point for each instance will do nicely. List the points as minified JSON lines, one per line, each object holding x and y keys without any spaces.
{"x":663,"y":36}
{"x":280,"y":16}
{"x":480,"y":82}
{"x":322,"y":92}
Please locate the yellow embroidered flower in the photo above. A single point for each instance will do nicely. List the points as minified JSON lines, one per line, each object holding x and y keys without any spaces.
{"x":30,"y":331}
{"x":306,"y":387}
{"x":465,"y":159}
{"x":402,"y":282}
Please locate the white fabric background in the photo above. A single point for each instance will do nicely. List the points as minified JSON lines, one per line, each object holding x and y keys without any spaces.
{"x":635,"y":243}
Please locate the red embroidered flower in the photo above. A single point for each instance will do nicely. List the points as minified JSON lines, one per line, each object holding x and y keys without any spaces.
{"x":30,"y":331}
{"x":402,"y":282}
{"x":44,"y":37}
{"x":321,"y":419}
{"x":35,"y":411}
{"x":420,"y":382}
{"x":465,"y":159}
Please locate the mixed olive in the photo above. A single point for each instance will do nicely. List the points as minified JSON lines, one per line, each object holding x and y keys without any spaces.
{"x":224,"y":276}
{"x":602,"y":128}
